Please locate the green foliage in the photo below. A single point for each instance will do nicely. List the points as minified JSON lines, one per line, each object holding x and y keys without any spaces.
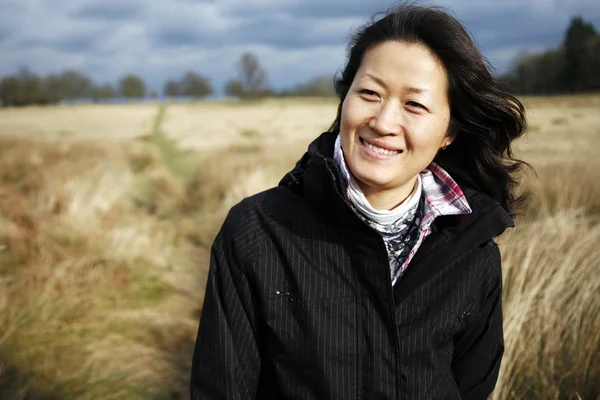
{"x":234,"y":88}
{"x":176,"y":161}
{"x":574,"y":66}
{"x":132,"y":86}
{"x":252,"y":82}
{"x":195,"y":85}
{"x":319,"y":86}
{"x":192,"y":84}
{"x":172,"y":89}
{"x":72,"y":85}
{"x":103,"y":92}
{"x":25,"y":88}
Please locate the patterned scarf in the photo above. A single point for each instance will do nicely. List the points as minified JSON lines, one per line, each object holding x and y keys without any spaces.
{"x":404,"y":228}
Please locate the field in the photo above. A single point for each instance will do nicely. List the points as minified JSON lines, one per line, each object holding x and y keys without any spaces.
{"x":107,"y":213}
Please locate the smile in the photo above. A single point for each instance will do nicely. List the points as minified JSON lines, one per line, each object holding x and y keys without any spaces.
{"x":379,"y":150}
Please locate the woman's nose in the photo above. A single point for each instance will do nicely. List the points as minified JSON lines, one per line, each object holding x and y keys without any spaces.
{"x":387,"y":120}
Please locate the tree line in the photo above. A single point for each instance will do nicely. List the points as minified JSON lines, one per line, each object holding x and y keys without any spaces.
{"x":573,"y":66}
{"x":25,"y":87}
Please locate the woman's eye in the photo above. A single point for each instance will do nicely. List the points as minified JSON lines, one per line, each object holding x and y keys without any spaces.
{"x":415,"y":104}
{"x":368,"y":93}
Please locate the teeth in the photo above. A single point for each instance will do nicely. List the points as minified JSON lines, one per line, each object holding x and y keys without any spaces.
{"x":380,"y":150}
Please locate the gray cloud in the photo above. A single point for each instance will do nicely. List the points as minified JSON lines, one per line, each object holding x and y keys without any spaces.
{"x":294,"y":39}
{"x":282,"y":32}
{"x":120,"y":11}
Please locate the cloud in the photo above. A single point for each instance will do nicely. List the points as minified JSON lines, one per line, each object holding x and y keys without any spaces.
{"x":294,"y":39}
{"x":120,"y":11}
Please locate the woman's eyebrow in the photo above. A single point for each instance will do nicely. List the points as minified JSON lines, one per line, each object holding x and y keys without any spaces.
{"x":376,"y":79}
{"x":408,"y":89}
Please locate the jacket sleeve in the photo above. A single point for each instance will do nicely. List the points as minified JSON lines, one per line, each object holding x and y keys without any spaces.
{"x":226,"y":361}
{"x":479,"y":348}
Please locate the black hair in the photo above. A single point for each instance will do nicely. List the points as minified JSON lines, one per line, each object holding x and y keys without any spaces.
{"x":484,"y":118}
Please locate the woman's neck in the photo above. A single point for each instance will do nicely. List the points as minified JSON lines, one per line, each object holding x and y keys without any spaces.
{"x":388,"y":199}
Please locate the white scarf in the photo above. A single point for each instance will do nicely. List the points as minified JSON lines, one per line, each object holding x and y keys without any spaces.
{"x":382,"y":217}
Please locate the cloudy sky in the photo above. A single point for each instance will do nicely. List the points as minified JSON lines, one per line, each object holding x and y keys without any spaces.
{"x":294,"y":39}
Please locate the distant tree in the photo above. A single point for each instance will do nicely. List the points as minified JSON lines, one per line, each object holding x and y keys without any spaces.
{"x":11,"y":91}
{"x":234,"y":88}
{"x":253,"y":76}
{"x":25,"y":87}
{"x":536,"y":73}
{"x":33,"y":87}
{"x":572,"y":67}
{"x":579,"y":44}
{"x":54,"y":88}
{"x":74,"y":85}
{"x":103,"y":92}
{"x":252,"y":82}
{"x":172,"y":89}
{"x":320,"y":86}
{"x":195,"y":85}
{"x":132,"y":86}
{"x":591,"y":69}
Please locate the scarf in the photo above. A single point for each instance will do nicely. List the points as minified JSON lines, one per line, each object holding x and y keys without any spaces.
{"x":399,"y":227}
{"x":404,"y":228}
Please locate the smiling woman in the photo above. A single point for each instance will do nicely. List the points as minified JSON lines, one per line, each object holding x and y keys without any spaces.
{"x":371,"y":270}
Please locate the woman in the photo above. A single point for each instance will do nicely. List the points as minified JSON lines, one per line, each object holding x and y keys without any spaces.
{"x":371,"y":272}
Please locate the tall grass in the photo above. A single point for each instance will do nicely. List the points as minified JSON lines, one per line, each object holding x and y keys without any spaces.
{"x":95,"y":300}
{"x":103,"y":256}
{"x":551,"y":267}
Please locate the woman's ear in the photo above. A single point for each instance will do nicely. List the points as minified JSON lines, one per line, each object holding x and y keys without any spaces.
{"x":447,"y":141}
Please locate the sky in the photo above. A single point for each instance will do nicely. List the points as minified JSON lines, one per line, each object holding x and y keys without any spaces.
{"x":294,"y":40}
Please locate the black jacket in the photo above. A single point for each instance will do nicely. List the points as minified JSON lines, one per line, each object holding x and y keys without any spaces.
{"x":299,"y":302}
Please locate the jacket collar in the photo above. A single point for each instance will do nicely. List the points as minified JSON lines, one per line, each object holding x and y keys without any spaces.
{"x":318,"y":179}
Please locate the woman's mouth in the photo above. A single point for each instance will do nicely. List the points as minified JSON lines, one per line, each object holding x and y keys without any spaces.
{"x":379,"y":150}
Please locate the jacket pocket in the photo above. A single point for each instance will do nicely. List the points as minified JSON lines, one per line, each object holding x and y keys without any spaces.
{"x":312,"y":341}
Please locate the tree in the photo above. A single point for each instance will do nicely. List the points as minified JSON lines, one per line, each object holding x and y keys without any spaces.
{"x":11,"y":93}
{"x":103,"y":92}
{"x":195,"y":85}
{"x":53,"y":89}
{"x":572,"y":67}
{"x":25,"y":87}
{"x":252,"y":82}
{"x":72,"y":85}
{"x":234,"y":88}
{"x":578,"y":40}
{"x":172,"y":89}
{"x":33,"y":87}
{"x":321,"y":86}
{"x":132,"y":86}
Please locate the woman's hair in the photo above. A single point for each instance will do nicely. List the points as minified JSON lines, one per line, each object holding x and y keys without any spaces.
{"x":484,"y":119}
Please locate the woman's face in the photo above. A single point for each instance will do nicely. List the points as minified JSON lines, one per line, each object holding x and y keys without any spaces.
{"x":394,"y":119}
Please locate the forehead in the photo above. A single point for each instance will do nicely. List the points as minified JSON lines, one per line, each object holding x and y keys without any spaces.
{"x":399,"y":63}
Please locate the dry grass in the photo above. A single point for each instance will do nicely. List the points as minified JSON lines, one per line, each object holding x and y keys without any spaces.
{"x":94,"y":294}
{"x":118,"y":122}
{"x":551,"y":293}
{"x":100,"y":242}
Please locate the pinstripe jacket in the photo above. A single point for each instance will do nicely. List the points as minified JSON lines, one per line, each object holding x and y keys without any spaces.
{"x":299,"y":302}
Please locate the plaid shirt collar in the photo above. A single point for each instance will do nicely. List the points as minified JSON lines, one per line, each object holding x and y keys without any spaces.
{"x":442,"y":195}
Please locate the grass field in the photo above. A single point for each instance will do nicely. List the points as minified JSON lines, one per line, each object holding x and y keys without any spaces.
{"x":107,"y":212}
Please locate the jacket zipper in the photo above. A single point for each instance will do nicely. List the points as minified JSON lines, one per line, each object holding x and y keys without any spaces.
{"x":392,"y":302}
{"x":389,"y":290}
